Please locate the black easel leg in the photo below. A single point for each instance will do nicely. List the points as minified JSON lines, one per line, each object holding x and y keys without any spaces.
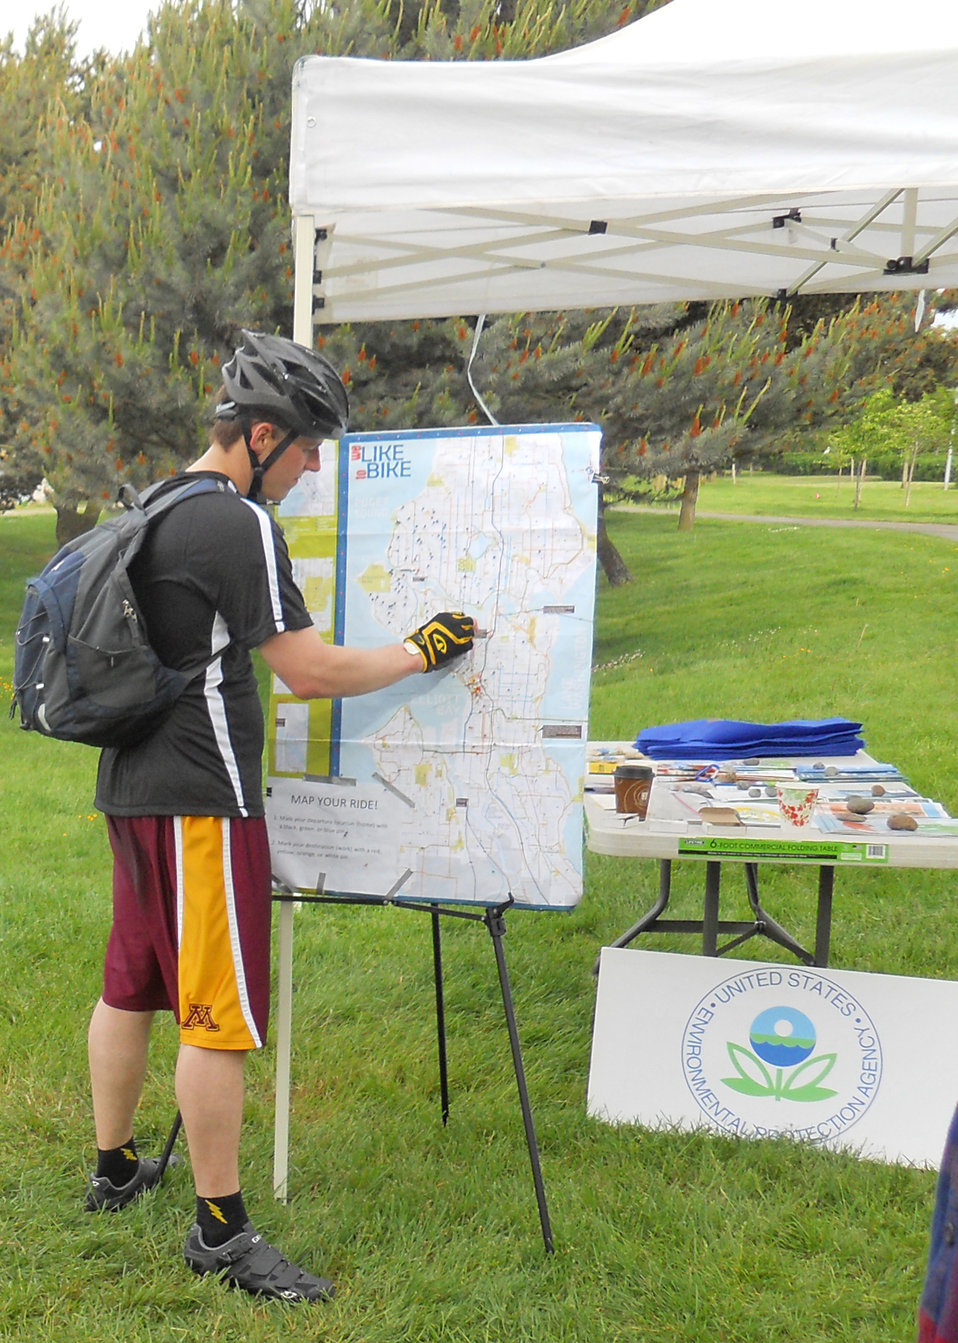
{"x":168,"y":1149}
{"x":496,"y":924}
{"x":440,"y":1015}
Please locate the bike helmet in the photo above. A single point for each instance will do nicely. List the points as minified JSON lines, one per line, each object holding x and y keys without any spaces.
{"x":288,"y":382}
{"x":277,"y":379}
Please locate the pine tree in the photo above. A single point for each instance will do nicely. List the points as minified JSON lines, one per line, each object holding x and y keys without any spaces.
{"x":160,"y":182}
{"x":166,"y":227}
{"x":161,"y":238}
{"x":48,"y":62}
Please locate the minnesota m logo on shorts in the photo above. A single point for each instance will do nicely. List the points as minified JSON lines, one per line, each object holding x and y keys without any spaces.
{"x":199,"y":1017}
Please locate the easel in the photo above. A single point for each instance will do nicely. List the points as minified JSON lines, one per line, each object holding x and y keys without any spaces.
{"x":494,"y":920}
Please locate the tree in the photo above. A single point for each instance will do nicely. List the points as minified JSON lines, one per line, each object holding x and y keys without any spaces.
{"x":165,"y":226}
{"x":160,"y":229}
{"x":679,"y":390}
{"x":165,"y":229}
{"x":48,"y":62}
{"x":889,"y":425}
{"x":689,"y":389}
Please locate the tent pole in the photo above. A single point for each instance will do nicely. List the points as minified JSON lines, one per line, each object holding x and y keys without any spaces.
{"x":304,"y":251}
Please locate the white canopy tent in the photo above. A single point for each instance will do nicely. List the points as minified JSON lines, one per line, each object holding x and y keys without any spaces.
{"x":715,"y":148}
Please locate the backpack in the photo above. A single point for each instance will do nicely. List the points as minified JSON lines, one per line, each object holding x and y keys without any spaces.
{"x":83,"y":667}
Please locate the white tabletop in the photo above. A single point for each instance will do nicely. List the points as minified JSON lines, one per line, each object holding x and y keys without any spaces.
{"x":673,"y":828}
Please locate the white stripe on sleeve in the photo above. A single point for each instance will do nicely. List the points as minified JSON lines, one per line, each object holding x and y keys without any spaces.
{"x":217,"y":712}
{"x":269,"y":559}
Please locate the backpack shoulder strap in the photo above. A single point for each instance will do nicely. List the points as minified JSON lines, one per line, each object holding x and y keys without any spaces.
{"x":155,"y":507}
{"x":156,"y":499}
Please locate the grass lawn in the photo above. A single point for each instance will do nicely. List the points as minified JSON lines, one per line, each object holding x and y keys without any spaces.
{"x":431,"y":1233}
{"x":827,"y":497}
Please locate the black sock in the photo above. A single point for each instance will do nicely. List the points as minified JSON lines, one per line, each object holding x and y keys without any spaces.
{"x":118,"y":1164}
{"x":220,"y":1219}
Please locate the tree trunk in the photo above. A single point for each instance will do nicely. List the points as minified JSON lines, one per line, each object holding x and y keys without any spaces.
{"x":689,"y":498}
{"x":860,"y":480}
{"x":613,"y":565}
{"x":71,"y":522}
{"x":910,"y":473}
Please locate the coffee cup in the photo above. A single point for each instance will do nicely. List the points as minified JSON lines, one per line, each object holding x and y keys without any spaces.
{"x":633,"y":784}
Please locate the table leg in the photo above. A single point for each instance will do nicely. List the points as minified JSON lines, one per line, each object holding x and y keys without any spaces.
{"x":766,"y":925}
{"x":823,"y":929}
{"x":440,"y":1014}
{"x":647,"y":920}
{"x":713,"y":879}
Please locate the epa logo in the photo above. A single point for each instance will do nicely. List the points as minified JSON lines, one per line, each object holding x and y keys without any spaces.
{"x":781,"y":1061}
{"x":781,"y":1052}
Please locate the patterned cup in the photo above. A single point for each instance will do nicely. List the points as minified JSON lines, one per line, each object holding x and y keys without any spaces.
{"x":796,"y":803}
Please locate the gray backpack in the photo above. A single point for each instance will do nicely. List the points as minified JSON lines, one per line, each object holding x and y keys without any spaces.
{"x":83,"y":667}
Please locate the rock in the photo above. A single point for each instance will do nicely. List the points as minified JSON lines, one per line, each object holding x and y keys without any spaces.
{"x":861,"y":806}
{"x":900,"y":820}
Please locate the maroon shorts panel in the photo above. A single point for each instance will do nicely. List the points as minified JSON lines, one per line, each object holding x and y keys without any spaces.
{"x":156,"y":957}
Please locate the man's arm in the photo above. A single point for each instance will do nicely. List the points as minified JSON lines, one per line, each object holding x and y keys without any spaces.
{"x":314,"y":669}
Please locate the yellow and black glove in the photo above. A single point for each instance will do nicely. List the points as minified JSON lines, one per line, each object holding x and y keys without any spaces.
{"x":446,"y":636}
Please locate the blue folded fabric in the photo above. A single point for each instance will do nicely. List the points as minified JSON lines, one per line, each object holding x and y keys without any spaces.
{"x":728,"y":739}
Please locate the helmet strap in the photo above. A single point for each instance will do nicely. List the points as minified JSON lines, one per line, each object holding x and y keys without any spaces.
{"x":260,"y":468}
{"x":256,"y":484}
{"x":278,"y":451}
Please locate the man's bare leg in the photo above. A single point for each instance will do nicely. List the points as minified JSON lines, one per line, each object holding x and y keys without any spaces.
{"x":118,"y":1045}
{"x":209,"y":1088}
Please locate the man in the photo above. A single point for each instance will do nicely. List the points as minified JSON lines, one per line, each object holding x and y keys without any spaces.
{"x":938,"y":1307}
{"x":184,"y":807}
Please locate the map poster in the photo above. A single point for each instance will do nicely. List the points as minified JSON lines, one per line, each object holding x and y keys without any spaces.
{"x":462,"y":785}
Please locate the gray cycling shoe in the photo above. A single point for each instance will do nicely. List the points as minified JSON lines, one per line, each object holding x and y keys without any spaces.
{"x":251,"y":1263}
{"x":103,"y":1195}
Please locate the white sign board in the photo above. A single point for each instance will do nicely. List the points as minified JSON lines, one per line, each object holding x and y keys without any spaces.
{"x":463,"y":785}
{"x":846,"y":1060}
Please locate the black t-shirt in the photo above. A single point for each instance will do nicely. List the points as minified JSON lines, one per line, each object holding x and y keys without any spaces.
{"x":213,"y":580}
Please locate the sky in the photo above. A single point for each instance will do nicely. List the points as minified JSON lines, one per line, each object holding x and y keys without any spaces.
{"x":113,"y":24}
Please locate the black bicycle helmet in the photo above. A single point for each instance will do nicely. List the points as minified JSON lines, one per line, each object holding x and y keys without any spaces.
{"x":277,"y":379}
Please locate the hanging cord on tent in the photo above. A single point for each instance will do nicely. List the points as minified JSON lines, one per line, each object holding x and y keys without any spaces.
{"x":472,"y":386}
